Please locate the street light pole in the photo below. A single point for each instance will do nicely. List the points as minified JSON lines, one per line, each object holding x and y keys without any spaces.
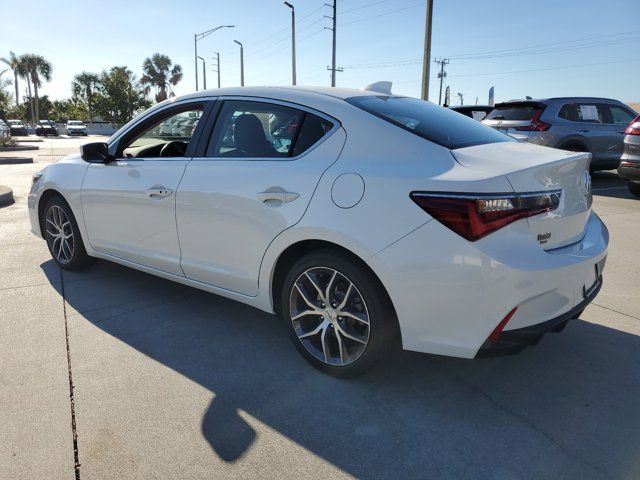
{"x":204,"y":72}
{"x":241,"y":63}
{"x":333,"y":54}
{"x":426,"y":60}
{"x":293,"y":42}
{"x":218,"y":70}
{"x":200,"y":36}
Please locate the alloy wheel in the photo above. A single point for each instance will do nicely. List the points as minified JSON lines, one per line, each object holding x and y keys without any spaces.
{"x":59,"y":234}
{"x":329,"y":316}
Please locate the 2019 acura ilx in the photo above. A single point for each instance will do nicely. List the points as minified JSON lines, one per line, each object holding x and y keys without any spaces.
{"x":360,"y":218}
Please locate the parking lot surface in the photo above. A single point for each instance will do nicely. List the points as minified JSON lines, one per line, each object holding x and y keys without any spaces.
{"x":172,"y":382}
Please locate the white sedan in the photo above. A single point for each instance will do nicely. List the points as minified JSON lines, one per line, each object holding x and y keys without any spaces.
{"x":362,"y":219}
{"x":76,"y":127}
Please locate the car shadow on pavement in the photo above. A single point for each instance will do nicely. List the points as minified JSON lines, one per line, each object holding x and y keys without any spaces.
{"x":609,"y":184}
{"x":567,"y":408}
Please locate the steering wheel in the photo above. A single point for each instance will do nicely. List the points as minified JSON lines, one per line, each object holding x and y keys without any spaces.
{"x":176,"y":148}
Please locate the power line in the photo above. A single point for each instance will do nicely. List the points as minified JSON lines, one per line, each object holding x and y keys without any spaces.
{"x":367,"y":5}
{"x":391,"y":12}
{"x":457,"y":57}
{"x":630,"y":60}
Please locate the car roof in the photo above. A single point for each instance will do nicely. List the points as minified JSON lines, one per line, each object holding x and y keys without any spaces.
{"x":283,"y":92}
{"x":563,"y":99}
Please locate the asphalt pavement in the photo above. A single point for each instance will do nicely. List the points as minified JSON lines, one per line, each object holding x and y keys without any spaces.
{"x":173,"y":382}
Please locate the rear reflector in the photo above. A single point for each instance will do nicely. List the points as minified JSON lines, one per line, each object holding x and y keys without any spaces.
{"x":536,"y":125}
{"x":474,"y":216}
{"x":495,"y":335}
{"x":634,"y":127}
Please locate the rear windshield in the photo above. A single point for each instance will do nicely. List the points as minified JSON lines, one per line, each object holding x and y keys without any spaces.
{"x":517,"y":111}
{"x":427,"y":120}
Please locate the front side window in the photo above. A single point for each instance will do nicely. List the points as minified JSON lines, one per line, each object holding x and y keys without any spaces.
{"x":167,"y":136}
{"x":439,"y":125}
{"x":249,"y":129}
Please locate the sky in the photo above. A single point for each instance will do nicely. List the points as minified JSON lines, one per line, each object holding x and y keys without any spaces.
{"x":540,"y":49}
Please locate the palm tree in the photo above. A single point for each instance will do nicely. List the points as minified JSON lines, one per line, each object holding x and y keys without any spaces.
{"x":37,"y":68}
{"x":83,"y":86}
{"x":13,"y":62}
{"x":159,"y":73}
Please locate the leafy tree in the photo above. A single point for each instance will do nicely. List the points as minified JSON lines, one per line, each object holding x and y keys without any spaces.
{"x":35,"y":68}
{"x":119,"y":96}
{"x":5,"y":97}
{"x":13,"y":62}
{"x":83,"y":87}
{"x":160,"y":73}
{"x":69,"y":109}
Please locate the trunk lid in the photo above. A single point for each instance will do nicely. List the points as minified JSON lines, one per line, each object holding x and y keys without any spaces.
{"x":532,"y":168}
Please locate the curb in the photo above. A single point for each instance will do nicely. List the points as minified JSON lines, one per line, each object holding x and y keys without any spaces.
{"x":6,"y":196}
{"x":15,"y":160}
{"x":19,"y":148}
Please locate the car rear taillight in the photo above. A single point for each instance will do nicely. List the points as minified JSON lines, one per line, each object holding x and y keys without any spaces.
{"x":536,"y":125}
{"x":474,"y":216}
{"x":634,"y":127}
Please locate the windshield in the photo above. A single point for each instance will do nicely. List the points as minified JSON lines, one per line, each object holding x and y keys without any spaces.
{"x":513,"y":111}
{"x":74,"y":122}
{"x":427,"y":120}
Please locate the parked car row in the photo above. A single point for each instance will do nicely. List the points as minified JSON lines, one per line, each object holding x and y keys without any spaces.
{"x":606,"y":128}
{"x":42,"y":128}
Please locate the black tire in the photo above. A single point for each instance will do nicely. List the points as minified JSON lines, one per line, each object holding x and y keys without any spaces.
{"x":634,"y":188}
{"x":383,"y":333}
{"x":77,"y":258}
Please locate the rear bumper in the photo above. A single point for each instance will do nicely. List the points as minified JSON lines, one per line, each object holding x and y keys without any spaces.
{"x":514,"y":341}
{"x":450,"y":294}
{"x":629,"y":170}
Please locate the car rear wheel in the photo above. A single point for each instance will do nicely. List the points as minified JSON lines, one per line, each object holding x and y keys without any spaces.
{"x":634,"y":188}
{"x":338,"y":314}
{"x":63,"y":236}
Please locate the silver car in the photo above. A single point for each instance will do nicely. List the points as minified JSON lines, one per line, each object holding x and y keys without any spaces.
{"x":629,"y":168}
{"x":580,"y":124}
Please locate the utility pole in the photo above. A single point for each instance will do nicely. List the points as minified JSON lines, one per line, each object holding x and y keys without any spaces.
{"x":441,"y":75}
{"x":333,"y":68}
{"x":200,"y":36}
{"x":241,"y":63}
{"x":217,"y":57}
{"x":426,"y":60}
{"x":293,"y":42}
{"x":204,"y":72}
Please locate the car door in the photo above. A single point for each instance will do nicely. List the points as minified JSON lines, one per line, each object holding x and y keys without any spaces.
{"x":129,"y":204}
{"x":254,"y":180}
{"x":617,"y":120}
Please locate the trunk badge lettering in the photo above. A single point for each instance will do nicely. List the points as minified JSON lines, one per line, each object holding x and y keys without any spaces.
{"x":544,"y":237}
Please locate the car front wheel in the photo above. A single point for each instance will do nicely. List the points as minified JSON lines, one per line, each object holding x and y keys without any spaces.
{"x":63,"y":236}
{"x":338,"y":313}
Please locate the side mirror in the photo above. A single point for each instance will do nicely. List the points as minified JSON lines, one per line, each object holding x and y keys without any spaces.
{"x":97,"y":152}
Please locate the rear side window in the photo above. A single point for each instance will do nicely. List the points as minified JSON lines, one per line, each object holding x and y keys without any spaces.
{"x":436,"y":124}
{"x":513,"y":111}
{"x":247,"y":129}
{"x":584,"y":112}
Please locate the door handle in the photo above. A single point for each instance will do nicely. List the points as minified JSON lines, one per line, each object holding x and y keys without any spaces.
{"x":159,"y":192}
{"x":277,"y":196}
{"x":584,"y":130}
